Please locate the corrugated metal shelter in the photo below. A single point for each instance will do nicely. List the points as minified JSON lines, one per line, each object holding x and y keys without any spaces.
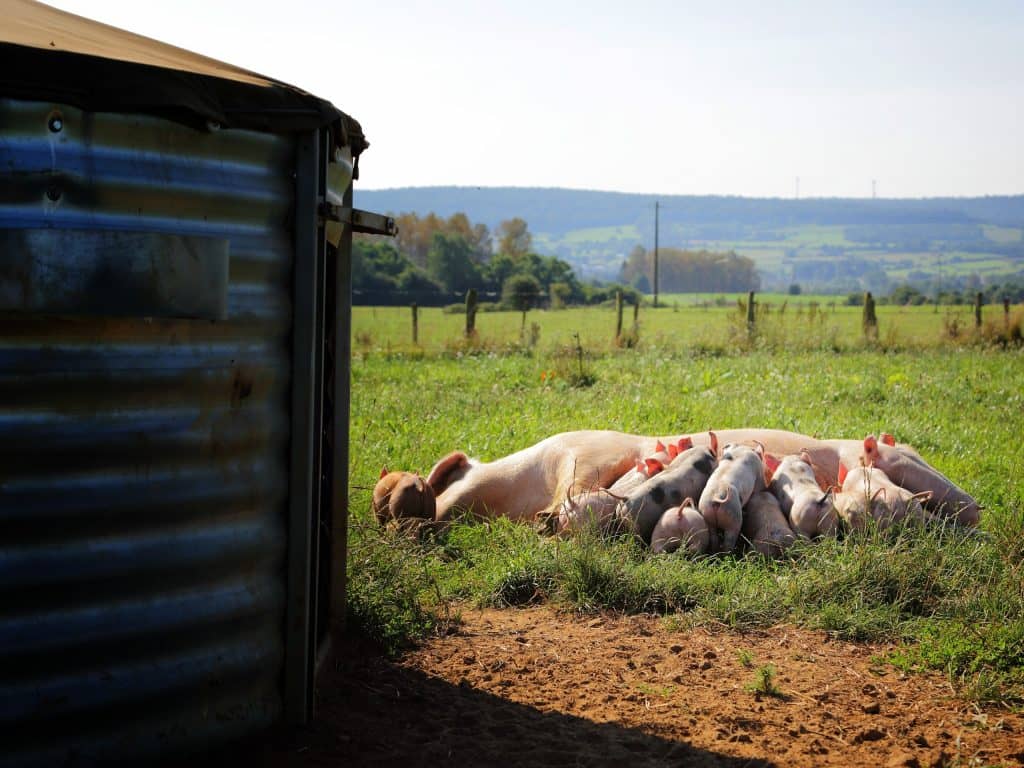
{"x":174,"y":345}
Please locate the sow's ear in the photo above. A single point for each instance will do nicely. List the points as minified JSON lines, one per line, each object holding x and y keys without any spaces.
{"x":438,"y":479}
{"x":870,"y":450}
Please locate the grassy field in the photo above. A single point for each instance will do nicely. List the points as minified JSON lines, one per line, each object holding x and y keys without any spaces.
{"x":701,"y":321}
{"x":776,"y":250}
{"x":955,"y":601}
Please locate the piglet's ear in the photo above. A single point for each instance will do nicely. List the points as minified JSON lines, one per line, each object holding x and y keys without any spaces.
{"x":383,"y":470}
{"x":659,"y":447}
{"x":888,"y":439}
{"x":870,"y":446}
{"x":653,"y":466}
{"x":714,"y":442}
{"x":771,"y":463}
{"x":673,"y":450}
{"x":842,"y":473}
{"x":685,"y":443}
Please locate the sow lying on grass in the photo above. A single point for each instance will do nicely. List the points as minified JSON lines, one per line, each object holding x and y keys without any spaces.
{"x":586,"y":464}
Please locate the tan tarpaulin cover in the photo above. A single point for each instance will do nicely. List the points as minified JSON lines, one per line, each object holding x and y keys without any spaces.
{"x":51,"y":55}
{"x":33,"y":24}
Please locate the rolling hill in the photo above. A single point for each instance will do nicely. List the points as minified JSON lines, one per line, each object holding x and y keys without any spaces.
{"x":825,"y":244}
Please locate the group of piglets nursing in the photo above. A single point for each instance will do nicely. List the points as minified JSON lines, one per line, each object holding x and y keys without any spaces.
{"x":744,"y":496}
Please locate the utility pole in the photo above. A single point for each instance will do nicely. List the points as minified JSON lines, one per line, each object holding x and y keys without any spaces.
{"x":656,"y":206}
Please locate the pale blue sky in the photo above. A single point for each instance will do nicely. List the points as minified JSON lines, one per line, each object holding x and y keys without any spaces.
{"x":734,"y":98}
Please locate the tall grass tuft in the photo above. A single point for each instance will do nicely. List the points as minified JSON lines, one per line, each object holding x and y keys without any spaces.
{"x":392,"y":594}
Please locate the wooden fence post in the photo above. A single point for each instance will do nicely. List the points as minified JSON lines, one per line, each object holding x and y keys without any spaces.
{"x":470,"y":312}
{"x":750,"y":312}
{"x":1006,"y":312}
{"x":870,"y":320}
{"x":618,"y":314}
{"x":977,"y":310}
{"x":415,"y":324}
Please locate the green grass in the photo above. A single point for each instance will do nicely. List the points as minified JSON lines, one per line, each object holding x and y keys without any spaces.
{"x":709,"y":322}
{"x":954,"y":602}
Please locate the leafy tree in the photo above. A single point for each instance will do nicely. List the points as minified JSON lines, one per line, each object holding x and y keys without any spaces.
{"x":450,"y":262}
{"x":375,"y":265}
{"x":514,"y":237}
{"x":906,"y":294}
{"x":414,"y":280}
{"x":415,"y":235}
{"x":689,"y":271}
{"x":794,"y":289}
{"x":501,"y":267}
{"x":477,"y":235}
{"x":561,"y":295}
{"x":521,"y":292}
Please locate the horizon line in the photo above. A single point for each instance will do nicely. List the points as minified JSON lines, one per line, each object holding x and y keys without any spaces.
{"x":652,"y":195}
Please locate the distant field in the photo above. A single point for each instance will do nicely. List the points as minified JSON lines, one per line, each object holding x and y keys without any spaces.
{"x":815,"y":235}
{"x":607,"y":246}
{"x":1002,"y":234}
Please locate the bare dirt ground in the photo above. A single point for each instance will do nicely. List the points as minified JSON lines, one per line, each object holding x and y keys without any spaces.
{"x":536,"y":687}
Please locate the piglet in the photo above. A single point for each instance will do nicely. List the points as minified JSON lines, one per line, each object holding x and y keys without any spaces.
{"x":740,"y":473}
{"x":764,"y":525}
{"x":597,"y":507}
{"x":684,"y":478}
{"x":868,"y":491}
{"x":908,"y":470}
{"x":681,"y":526}
{"x":809,"y":509}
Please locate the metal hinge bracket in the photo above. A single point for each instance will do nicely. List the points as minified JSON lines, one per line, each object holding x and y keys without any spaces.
{"x":360,"y":221}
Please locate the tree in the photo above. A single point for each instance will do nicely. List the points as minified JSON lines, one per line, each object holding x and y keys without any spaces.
{"x":794,"y":289}
{"x":906,"y":294}
{"x":638,"y":263}
{"x":478,"y":236}
{"x":414,"y":280}
{"x":415,"y":235}
{"x":514,"y":237}
{"x":561,"y":294}
{"x":499,"y":269}
{"x":521,"y":292}
{"x":450,"y":262}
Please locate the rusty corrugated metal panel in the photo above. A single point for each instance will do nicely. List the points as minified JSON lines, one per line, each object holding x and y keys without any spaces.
{"x":143,"y":462}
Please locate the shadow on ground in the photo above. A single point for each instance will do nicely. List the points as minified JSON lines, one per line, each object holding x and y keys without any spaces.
{"x":373,"y":712}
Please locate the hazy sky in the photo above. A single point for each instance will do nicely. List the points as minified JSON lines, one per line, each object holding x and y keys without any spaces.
{"x":736,"y":98}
